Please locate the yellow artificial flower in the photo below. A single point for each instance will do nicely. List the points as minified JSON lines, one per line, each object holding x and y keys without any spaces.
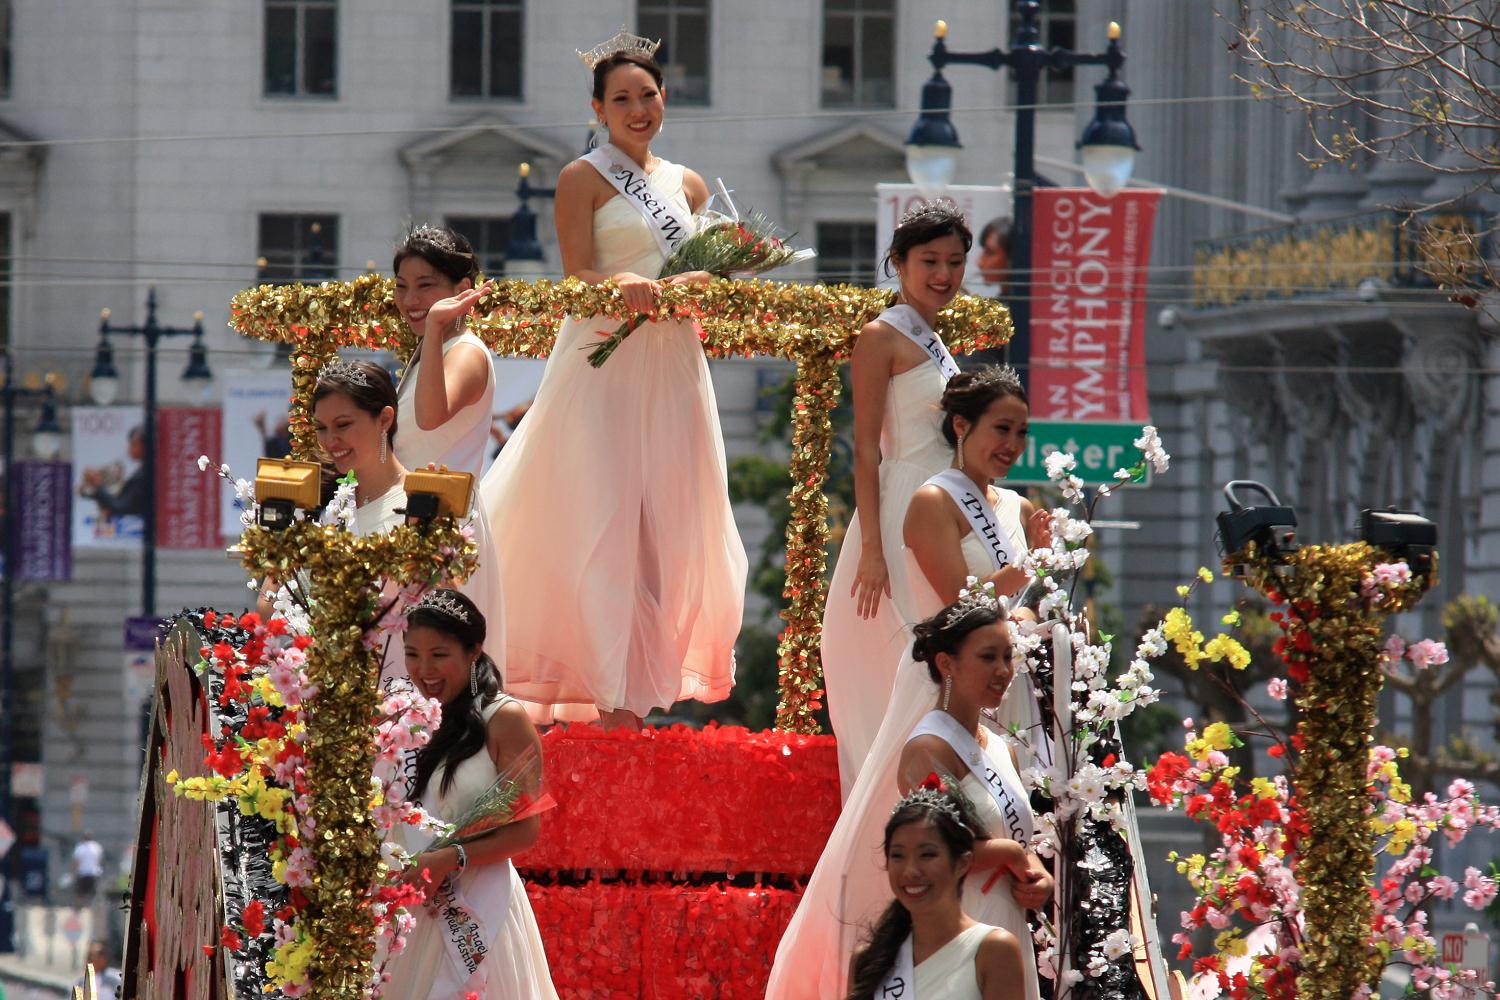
{"x":1177,"y":627}
{"x":1224,"y":647}
{"x":1400,"y":791}
{"x":1219,"y":736}
{"x":1183,"y":590}
{"x":1232,"y":619}
{"x":1230,"y":943}
{"x":1205,"y":574}
{"x":1402,"y":833}
{"x":1264,"y":788}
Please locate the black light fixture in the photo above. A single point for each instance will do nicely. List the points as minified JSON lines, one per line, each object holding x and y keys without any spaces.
{"x":1406,"y":534}
{"x":524,"y":245}
{"x":197,"y":373}
{"x":932,"y":147}
{"x":104,"y":380}
{"x":1271,"y":526}
{"x":1107,"y":148}
{"x":47,"y":436}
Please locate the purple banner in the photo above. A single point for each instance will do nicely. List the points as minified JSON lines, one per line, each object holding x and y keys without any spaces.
{"x":44,"y":516}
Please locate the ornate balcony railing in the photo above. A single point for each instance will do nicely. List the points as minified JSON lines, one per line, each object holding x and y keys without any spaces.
{"x":1436,"y":250}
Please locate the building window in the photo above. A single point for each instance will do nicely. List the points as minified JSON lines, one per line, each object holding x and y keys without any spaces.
{"x":846,"y":253}
{"x":682,"y":26}
{"x":1056,"y":23}
{"x":486,"y":48}
{"x":859,"y":53}
{"x":301,"y":48}
{"x":489,"y":235}
{"x":297,"y":248}
{"x":7,"y":25}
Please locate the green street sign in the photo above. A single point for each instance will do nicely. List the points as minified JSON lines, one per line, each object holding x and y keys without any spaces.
{"x":1101,"y":447}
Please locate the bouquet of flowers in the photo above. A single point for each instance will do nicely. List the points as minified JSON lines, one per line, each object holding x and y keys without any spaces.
{"x":722,"y":246}
{"x":514,"y":795}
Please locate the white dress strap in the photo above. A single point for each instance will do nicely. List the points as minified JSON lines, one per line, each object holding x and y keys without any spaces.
{"x":981,"y":516}
{"x":909,"y":323}
{"x":1009,"y":798}
{"x":668,"y":227}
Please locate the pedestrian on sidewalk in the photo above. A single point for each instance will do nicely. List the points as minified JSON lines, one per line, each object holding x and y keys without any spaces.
{"x":88,"y":866}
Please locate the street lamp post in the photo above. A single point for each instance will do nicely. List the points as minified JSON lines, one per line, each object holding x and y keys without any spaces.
{"x":1107,"y":147}
{"x":46,"y":442}
{"x":524,"y":245}
{"x":104,"y":387}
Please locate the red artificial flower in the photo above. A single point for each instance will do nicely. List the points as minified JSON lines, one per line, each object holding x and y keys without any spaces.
{"x":932,"y":782}
{"x":302,"y":641}
{"x":254,"y":918}
{"x":229,"y":939}
{"x":1109,"y":760}
{"x":226,"y":762}
{"x":249,"y":620}
{"x":209,"y":618}
{"x":1276,"y":750}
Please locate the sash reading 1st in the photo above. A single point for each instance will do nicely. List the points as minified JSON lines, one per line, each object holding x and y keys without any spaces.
{"x":907,"y":321}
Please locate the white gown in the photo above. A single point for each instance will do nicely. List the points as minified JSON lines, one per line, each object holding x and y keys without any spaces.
{"x":950,"y":973}
{"x":622,"y":568}
{"x":848,"y":889}
{"x":860,"y":656}
{"x":516,"y":963}
{"x":380,"y":515}
{"x":460,"y":444}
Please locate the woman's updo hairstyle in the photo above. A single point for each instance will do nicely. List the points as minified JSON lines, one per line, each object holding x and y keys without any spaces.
{"x":615,"y":60}
{"x":955,"y":823}
{"x":367,"y":385}
{"x":946,"y":631}
{"x":927,"y":222}
{"x":462,"y":732}
{"x":970,"y":393}
{"x":447,"y":251}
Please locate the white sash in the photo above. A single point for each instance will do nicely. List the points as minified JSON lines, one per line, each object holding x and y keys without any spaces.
{"x":976,"y":507}
{"x":630,"y":179}
{"x":1011,"y":801}
{"x":901,"y":984}
{"x":471,"y":909}
{"x":907,"y":321}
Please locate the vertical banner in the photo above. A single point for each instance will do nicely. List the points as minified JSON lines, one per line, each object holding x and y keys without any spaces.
{"x":987,"y":209}
{"x":43,"y":520}
{"x":255,"y":426}
{"x":1088,"y":303}
{"x":187,"y":499}
{"x":109,"y":444}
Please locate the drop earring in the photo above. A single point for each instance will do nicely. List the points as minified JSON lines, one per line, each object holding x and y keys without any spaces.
{"x":959,"y":450}
{"x":383,"y":439}
{"x":474,"y":679}
{"x":947,"y":690}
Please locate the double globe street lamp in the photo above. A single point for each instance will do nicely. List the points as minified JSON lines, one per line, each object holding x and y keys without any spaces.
{"x":104,"y":388}
{"x":1107,"y":148}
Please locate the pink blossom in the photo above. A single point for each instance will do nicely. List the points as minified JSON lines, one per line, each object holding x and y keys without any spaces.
{"x":1427,"y":653}
{"x":1395,"y":648}
{"x":1276,"y":688}
{"x":1443,"y":887}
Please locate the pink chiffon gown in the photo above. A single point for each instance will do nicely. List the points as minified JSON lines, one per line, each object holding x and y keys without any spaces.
{"x":622,"y":568}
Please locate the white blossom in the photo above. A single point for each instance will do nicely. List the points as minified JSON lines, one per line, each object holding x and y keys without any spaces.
{"x":1150,"y":444}
{"x":203,"y":463}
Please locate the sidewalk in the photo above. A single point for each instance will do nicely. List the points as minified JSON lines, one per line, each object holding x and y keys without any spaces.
{"x":51,"y":944}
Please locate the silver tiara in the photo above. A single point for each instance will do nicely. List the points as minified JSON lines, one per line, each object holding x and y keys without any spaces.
{"x":974,"y":597}
{"x":347,"y":372}
{"x":443,"y":603}
{"x":937,"y":211}
{"x":943,"y":802}
{"x":623,"y":41}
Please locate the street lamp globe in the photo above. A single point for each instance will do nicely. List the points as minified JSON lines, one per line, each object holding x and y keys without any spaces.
{"x":932,"y":147}
{"x":104,"y":380}
{"x":46,"y":440}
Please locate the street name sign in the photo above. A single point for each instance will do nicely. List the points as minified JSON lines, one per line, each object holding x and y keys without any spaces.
{"x":1100,"y":447}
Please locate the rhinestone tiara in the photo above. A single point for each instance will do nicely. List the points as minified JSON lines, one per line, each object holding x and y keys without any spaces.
{"x":347,"y":372}
{"x":974,"y":597}
{"x":937,"y":211}
{"x":443,"y":603}
{"x":623,"y":41}
{"x":932,"y":798}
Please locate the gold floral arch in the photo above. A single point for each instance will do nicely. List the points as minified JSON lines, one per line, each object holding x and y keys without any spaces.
{"x":813,"y":326}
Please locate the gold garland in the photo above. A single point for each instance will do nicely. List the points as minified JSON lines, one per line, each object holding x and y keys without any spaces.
{"x":814,"y":326}
{"x":345,"y":571}
{"x":1338,"y":635}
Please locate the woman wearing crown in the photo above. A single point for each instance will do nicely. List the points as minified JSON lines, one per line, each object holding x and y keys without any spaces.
{"x":448,"y":389}
{"x":898,"y":373}
{"x":958,"y":527}
{"x":623,"y":571}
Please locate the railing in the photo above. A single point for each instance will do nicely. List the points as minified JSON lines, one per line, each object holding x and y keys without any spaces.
{"x":1400,"y":250}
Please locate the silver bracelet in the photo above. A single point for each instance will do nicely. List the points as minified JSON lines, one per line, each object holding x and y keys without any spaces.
{"x":463,"y":859}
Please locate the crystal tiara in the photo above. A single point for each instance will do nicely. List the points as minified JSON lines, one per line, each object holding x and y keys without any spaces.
{"x":933,"y":798}
{"x":443,"y":603}
{"x":974,"y":597}
{"x":937,"y":211}
{"x":623,"y":41}
{"x":347,"y":372}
